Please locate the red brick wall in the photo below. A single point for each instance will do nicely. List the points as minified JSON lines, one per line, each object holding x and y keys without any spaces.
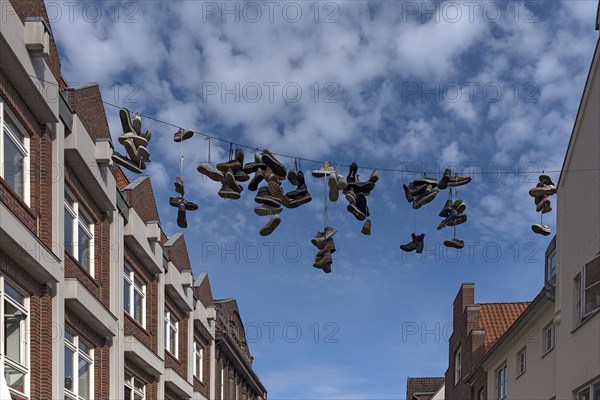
{"x":40,"y":326}
{"x":87,"y":104}
{"x":148,"y":336}
{"x":142,"y":199}
{"x":38,"y":216}
{"x":98,"y":285}
{"x":178,"y":255}
{"x":180,"y":363}
{"x":203,"y":293}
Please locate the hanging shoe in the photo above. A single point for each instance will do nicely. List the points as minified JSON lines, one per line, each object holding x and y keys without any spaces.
{"x":334,"y":192}
{"x":264,"y":197}
{"x":546,"y":180}
{"x":276,"y":191}
{"x":147,"y":136}
{"x":321,"y":237}
{"x":353,"y":209}
{"x":366,"y":229}
{"x":546,"y":206}
{"x":265,"y":211}
{"x":179,"y":186}
{"x":181,"y":217}
{"x":183,"y":134}
{"x":298,"y":201}
{"x":252,"y":167}
{"x":459,"y":205}
{"x":270,"y":161}
{"x":301,"y":189}
{"x":324,"y":262}
{"x":328,"y":247}
{"x":361,"y":187}
{"x":341,"y":182}
{"x":125,"y":117}
{"x":541,"y":204}
{"x":411,"y":246}
{"x":326,"y":170}
{"x":447,"y":209}
{"x":541,"y":229}
{"x":426,"y":198}
{"x":136,"y":123}
{"x":179,"y":201}
{"x":227,"y":192}
{"x":451,"y":217}
{"x":426,"y":181}
{"x":420,"y":242}
{"x":256,"y":179}
{"x":292,"y":176}
{"x":143,"y":153}
{"x":459,"y":181}
{"x":443,"y":184}
{"x":361,"y":203}
{"x":408,"y":193}
{"x":352,"y":173}
{"x":460,"y":219}
{"x":419,"y":190}
{"x":374,"y":177}
{"x":270,"y":226}
{"x":125,"y":162}
{"x":133,"y":154}
{"x":454,"y":243}
{"x":137,"y":140}
{"x":211,"y":172}
{"x":538,"y":190}
{"x":240,"y":176}
{"x":231,"y":182}
{"x":351,"y":196}
{"x":233,"y":165}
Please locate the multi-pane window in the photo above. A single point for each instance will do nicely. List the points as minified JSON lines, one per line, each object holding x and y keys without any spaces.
{"x":134,"y":295}
{"x":134,"y":388}
{"x":590,"y":392}
{"x":79,"y":363}
{"x":171,"y":327}
{"x":14,"y":346}
{"x":548,"y":338}
{"x":198,"y":367}
{"x":590,"y":295}
{"x":551,"y":268}
{"x":501,"y":379}
{"x":14,"y":154}
{"x":79,"y":237}
{"x":457,"y":366}
{"x":521,"y":361}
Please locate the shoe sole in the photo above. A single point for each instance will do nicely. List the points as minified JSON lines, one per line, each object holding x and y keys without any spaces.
{"x":462,"y":182}
{"x":230,"y":179}
{"x":361,"y":187}
{"x":334,"y":193}
{"x":428,"y":198}
{"x":292,"y":176}
{"x":270,"y":227}
{"x":407,"y":249}
{"x":353,"y":209}
{"x":537,"y":229}
{"x":455,"y":245}
{"x":181,"y":220}
{"x":267,"y":211}
{"x":188,"y":134}
{"x":460,"y":219}
{"x":125,"y":163}
{"x":299,"y":201}
{"x":267,"y":201}
{"x":207,"y":170}
{"x":230,"y":194}
{"x":408,"y":194}
{"x":277,"y":168}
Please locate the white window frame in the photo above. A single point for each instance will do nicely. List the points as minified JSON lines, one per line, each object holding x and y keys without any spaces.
{"x":24,"y":148}
{"x":25,"y":348}
{"x":77,"y":354}
{"x":501,"y":382}
{"x":168,"y":332}
{"x":521,"y":362}
{"x":548,"y":348}
{"x":130,"y":381}
{"x":129,"y":275}
{"x":75,"y":212}
{"x":198,"y":361}
{"x":583,"y":289}
{"x":457,"y":365}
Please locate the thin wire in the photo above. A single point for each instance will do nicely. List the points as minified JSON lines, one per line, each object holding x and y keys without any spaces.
{"x":325,"y":206}
{"x":245,"y":146}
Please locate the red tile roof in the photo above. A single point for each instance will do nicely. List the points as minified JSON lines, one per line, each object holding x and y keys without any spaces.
{"x":422,"y":385}
{"x":496,"y":318}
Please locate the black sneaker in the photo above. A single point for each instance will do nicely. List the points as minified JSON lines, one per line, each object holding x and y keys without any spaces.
{"x":419,"y":190}
{"x":183,"y":134}
{"x":447,"y":209}
{"x":361,"y":203}
{"x":424,"y":199}
{"x":460,"y":219}
{"x":450,"y":218}
{"x":231,"y":182}
{"x":459,"y":205}
{"x":298,"y":201}
{"x":351,"y":196}
{"x":459,"y":181}
{"x":256,"y":179}
{"x":264,"y":197}
{"x":352,"y":173}
{"x":426,"y":181}
{"x":412,"y":246}
{"x":408,"y":193}
{"x":270,"y":161}
{"x":546,"y":180}
{"x":361,"y":187}
{"x":353,"y":209}
{"x":252,"y":167}
{"x":443,"y":184}
{"x":179,"y":186}
{"x":420,"y":241}
{"x":227,"y":192}
{"x":181,"y":219}
{"x":233,"y":165}
{"x":292,"y":176}
{"x":126,"y":163}
{"x":454,"y":243}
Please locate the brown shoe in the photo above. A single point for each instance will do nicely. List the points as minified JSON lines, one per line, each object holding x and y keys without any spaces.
{"x":374,"y":176}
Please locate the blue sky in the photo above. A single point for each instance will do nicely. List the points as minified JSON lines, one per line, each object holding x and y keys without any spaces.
{"x":401,"y":85}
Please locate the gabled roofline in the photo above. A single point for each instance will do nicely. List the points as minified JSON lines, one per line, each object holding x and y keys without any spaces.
{"x":584,"y":95}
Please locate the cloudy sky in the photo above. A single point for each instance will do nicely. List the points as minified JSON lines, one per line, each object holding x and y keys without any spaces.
{"x":488,"y":87}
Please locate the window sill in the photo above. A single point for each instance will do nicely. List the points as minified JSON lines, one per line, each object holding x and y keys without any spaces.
{"x":520,"y":374}
{"x":199,"y":381}
{"x":87,"y":273}
{"x":172,"y":356}
{"x":586,"y":319}
{"x":547,"y":351}
{"x":142,"y":327}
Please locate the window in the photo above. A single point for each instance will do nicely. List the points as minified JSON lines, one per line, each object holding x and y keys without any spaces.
{"x":134,"y":295}
{"x":521,"y":361}
{"x":79,"y":376}
{"x":79,"y":239}
{"x":551,"y":269}
{"x":198,"y":367}
{"x":457,"y":366}
{"x":590,"y":288}
{"x":501,"y":378}
{"x":134,"y":388}
{"x":171,"y":326}
{"x":14,"y":154}
{"x":481,"y":394}
{"x":548,"y":338}
{"x":14,"y":347}
{"x":590,"y":392}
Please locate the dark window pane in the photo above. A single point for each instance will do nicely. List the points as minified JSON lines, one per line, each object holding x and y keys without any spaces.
{"x":84,"y":249}
{"x":126,"y":299}
{"x":14,"y":163}
{"x":12,"y":332}
{"x":68,"y":231}
{"x":68,"y":369}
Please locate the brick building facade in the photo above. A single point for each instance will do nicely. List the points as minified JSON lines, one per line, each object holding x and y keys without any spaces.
{"x":97,"y":301}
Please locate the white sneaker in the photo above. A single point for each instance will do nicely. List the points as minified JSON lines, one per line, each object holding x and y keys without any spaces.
{"x":326,"y":170}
